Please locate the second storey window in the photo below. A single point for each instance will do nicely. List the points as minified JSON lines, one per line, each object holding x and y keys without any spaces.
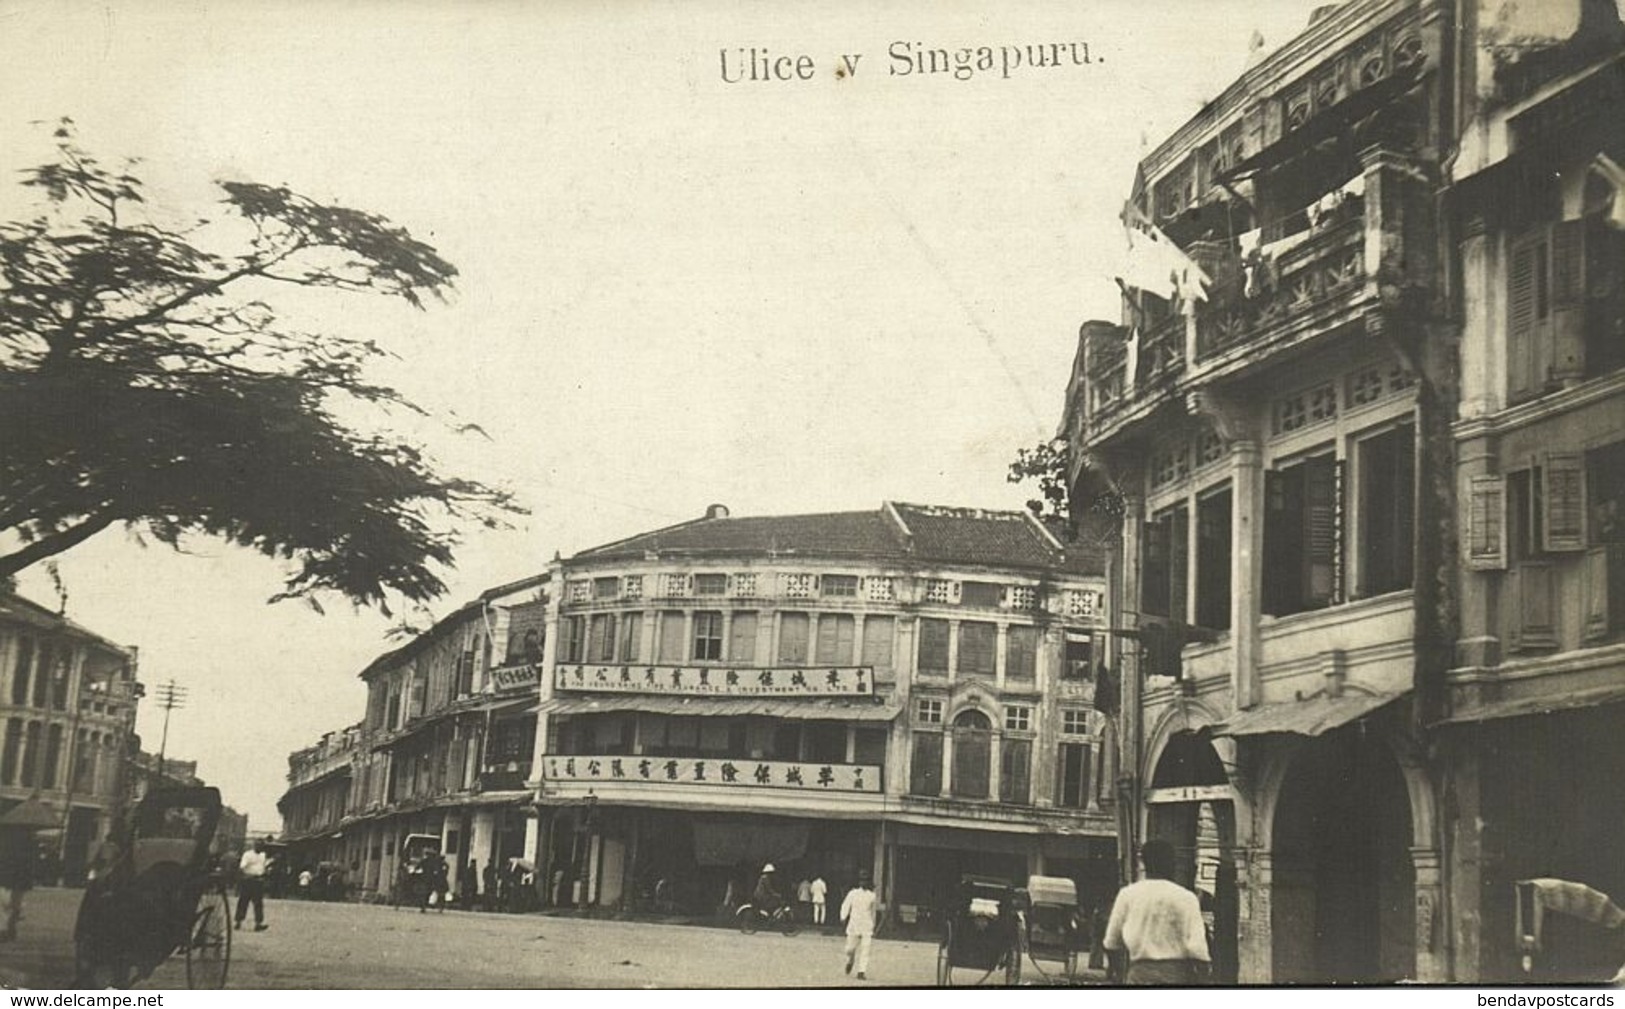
{"x":1213,"y":561}
{"x":572,"y":639}
{"x":793,"y":628}
{"x":632,"y":637}
{"x":601,"y":638}
{"x":742,"y":639}
{"x":1165,"y":557}
{"x":977,"y":644}
{"x":673,"y":637}
{"x":708,"y":636}
{"x":1301,"y":517}
{"x":877,"y":642}
{"x":1021,"y":653}
{"x":835,"y":633}
{"x":1387,"y":481}
{"x":933,"y":648}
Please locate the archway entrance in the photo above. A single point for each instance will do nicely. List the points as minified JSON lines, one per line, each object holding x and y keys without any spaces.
{"x":1190,"y":806}
{"x":973,"y":754}
{"x":1343,"y":884}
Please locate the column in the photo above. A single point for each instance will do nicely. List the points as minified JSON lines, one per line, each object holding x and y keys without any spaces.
{"x":648,"y":635}
{"x":1432,"y":965}
{"x":1253,"y":946}
{"x":1246,"y":568}
{"x":998,"y":655}
{"x":947,"y":760}
{"x":953,"y":650}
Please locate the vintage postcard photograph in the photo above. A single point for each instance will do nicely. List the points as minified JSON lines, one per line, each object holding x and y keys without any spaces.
{"x":520,"y":495}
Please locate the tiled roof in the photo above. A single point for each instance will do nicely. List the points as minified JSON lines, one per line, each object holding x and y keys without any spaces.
{"x":894,"y":532}
{"x":25,"y":611}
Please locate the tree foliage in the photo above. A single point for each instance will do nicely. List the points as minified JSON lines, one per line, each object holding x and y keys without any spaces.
{"x":1047,"y":465}
{"x":145,"y":381}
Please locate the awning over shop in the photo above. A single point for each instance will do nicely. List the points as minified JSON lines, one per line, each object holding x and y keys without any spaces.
{"x":863,"y":709}
{"x":1312,"y":716}
{"x":1612,"y":693}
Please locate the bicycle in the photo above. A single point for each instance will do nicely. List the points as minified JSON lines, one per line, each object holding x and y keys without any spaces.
{"x":751,"y":918}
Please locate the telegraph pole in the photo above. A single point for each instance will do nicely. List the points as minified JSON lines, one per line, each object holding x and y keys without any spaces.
{"x":170,"y":697}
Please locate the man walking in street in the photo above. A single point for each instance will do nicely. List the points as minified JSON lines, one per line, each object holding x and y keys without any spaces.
{"x":858,"y":911}
{"x":1158,"y":924}
{"x":251,"y":884}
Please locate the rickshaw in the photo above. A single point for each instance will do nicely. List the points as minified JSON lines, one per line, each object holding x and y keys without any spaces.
{"x":981,"y":931}
{"x":412,"y":888}
{"x":1054,"y":925}
{"x":158,"y":895}
{"x":1595,"y":955}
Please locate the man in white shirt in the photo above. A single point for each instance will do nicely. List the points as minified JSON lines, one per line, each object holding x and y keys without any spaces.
{"x":1158,"y":923}
{"x":819,"y":891}
{"x":858,"y":911}
{"x":251,"y":884}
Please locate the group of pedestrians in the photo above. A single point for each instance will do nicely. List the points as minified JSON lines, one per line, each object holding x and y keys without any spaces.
{"x":858,"y":911}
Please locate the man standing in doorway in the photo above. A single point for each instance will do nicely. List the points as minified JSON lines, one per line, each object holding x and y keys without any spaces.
{"x":820,"y":892}
{"x":1158,"y":924}
{"x":251,"y":884}
{"x":858,"y":911}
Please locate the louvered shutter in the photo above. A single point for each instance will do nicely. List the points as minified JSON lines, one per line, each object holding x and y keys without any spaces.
{"x":1486,"y":523}
{"x":1563,"y":490}
{"x":1568,"y":297}
{"x":1320,"y":530}
{"x":1179,"y":539}
{"x":1521,"y":377}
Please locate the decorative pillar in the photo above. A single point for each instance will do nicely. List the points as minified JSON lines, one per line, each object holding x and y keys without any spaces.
{"x":1431,"y":964}
{"x":1255,"y":934}
{"x":998,"y":654}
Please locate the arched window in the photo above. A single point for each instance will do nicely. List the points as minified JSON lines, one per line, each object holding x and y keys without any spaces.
{"x":973,"y":754}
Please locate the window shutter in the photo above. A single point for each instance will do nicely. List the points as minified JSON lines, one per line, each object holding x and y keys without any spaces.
{"x":1521,"y":321}
{"x":1486,"y":523}
{"x":1015,"y":770}
{"x":1179,"y":564}
{"x":1568,"y":297}
{"x":1563,"y":487}
{"x":1595,"y":623}
{"x":1320,"y":530}
{"x":925,"y":771}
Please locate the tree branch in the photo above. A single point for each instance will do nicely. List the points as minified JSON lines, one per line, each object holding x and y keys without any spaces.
{"x":49,"y":546}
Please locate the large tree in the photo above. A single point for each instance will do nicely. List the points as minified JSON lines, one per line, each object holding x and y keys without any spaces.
{"x":146,"y":380}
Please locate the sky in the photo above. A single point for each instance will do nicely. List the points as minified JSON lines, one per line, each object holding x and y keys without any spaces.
{"x":674,"y":290}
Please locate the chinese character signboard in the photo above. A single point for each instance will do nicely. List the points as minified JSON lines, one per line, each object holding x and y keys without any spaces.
{"x":737,"y":773}
{"x":817,"y":681}
{"x":515,"y":677}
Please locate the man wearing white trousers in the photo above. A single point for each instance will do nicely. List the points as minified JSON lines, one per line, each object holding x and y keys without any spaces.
{"x":858,"y":911}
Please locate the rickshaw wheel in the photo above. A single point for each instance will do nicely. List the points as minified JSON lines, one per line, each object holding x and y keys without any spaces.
{"x":1012,"y":966}
{"x":945,"y":963}
{"x":208,"y":946}
{"x":1072,"y":964}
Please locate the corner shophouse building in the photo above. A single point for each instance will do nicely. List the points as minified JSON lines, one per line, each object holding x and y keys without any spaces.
{"x":904,"y":691}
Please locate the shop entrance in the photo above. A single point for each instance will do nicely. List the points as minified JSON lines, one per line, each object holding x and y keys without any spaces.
{"x":1190,"y":807}
{"x":1343,"y":886}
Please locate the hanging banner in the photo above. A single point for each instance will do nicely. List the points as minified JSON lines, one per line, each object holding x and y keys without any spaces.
{"x":719,"y":773}
{"x":822,"y":681}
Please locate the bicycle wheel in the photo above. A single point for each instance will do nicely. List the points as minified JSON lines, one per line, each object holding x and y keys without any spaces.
{"x":788,"y":924}
{"x":746,"y":917}
{"x":208,"y":947}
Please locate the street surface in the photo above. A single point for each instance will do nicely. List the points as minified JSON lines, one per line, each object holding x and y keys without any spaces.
{"x":319,"y":945}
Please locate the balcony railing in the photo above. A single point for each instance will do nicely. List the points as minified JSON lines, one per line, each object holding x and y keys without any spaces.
{"x":1327,"y":264}
{"x":505,"y":777}
{"x":734,"y":774}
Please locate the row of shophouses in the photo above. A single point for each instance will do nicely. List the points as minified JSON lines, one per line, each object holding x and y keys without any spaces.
{"x":68,"y":701}
{"x":1370,"y":484}
{"x":1352,"y":558}
{"x":907,"y":692}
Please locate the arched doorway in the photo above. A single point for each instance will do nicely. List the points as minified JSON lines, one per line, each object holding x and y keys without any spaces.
{"x":1191,"y":806}
{"x":973,"y":754}
{"x":1343,"y":887}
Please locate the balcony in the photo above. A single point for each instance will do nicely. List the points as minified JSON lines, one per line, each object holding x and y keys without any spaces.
{"x":1302,"y":283}
{"x":508,"y":776}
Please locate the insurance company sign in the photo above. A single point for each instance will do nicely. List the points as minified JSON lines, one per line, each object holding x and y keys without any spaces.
{"x":720,"y":773}
{"x":796,"y":681}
